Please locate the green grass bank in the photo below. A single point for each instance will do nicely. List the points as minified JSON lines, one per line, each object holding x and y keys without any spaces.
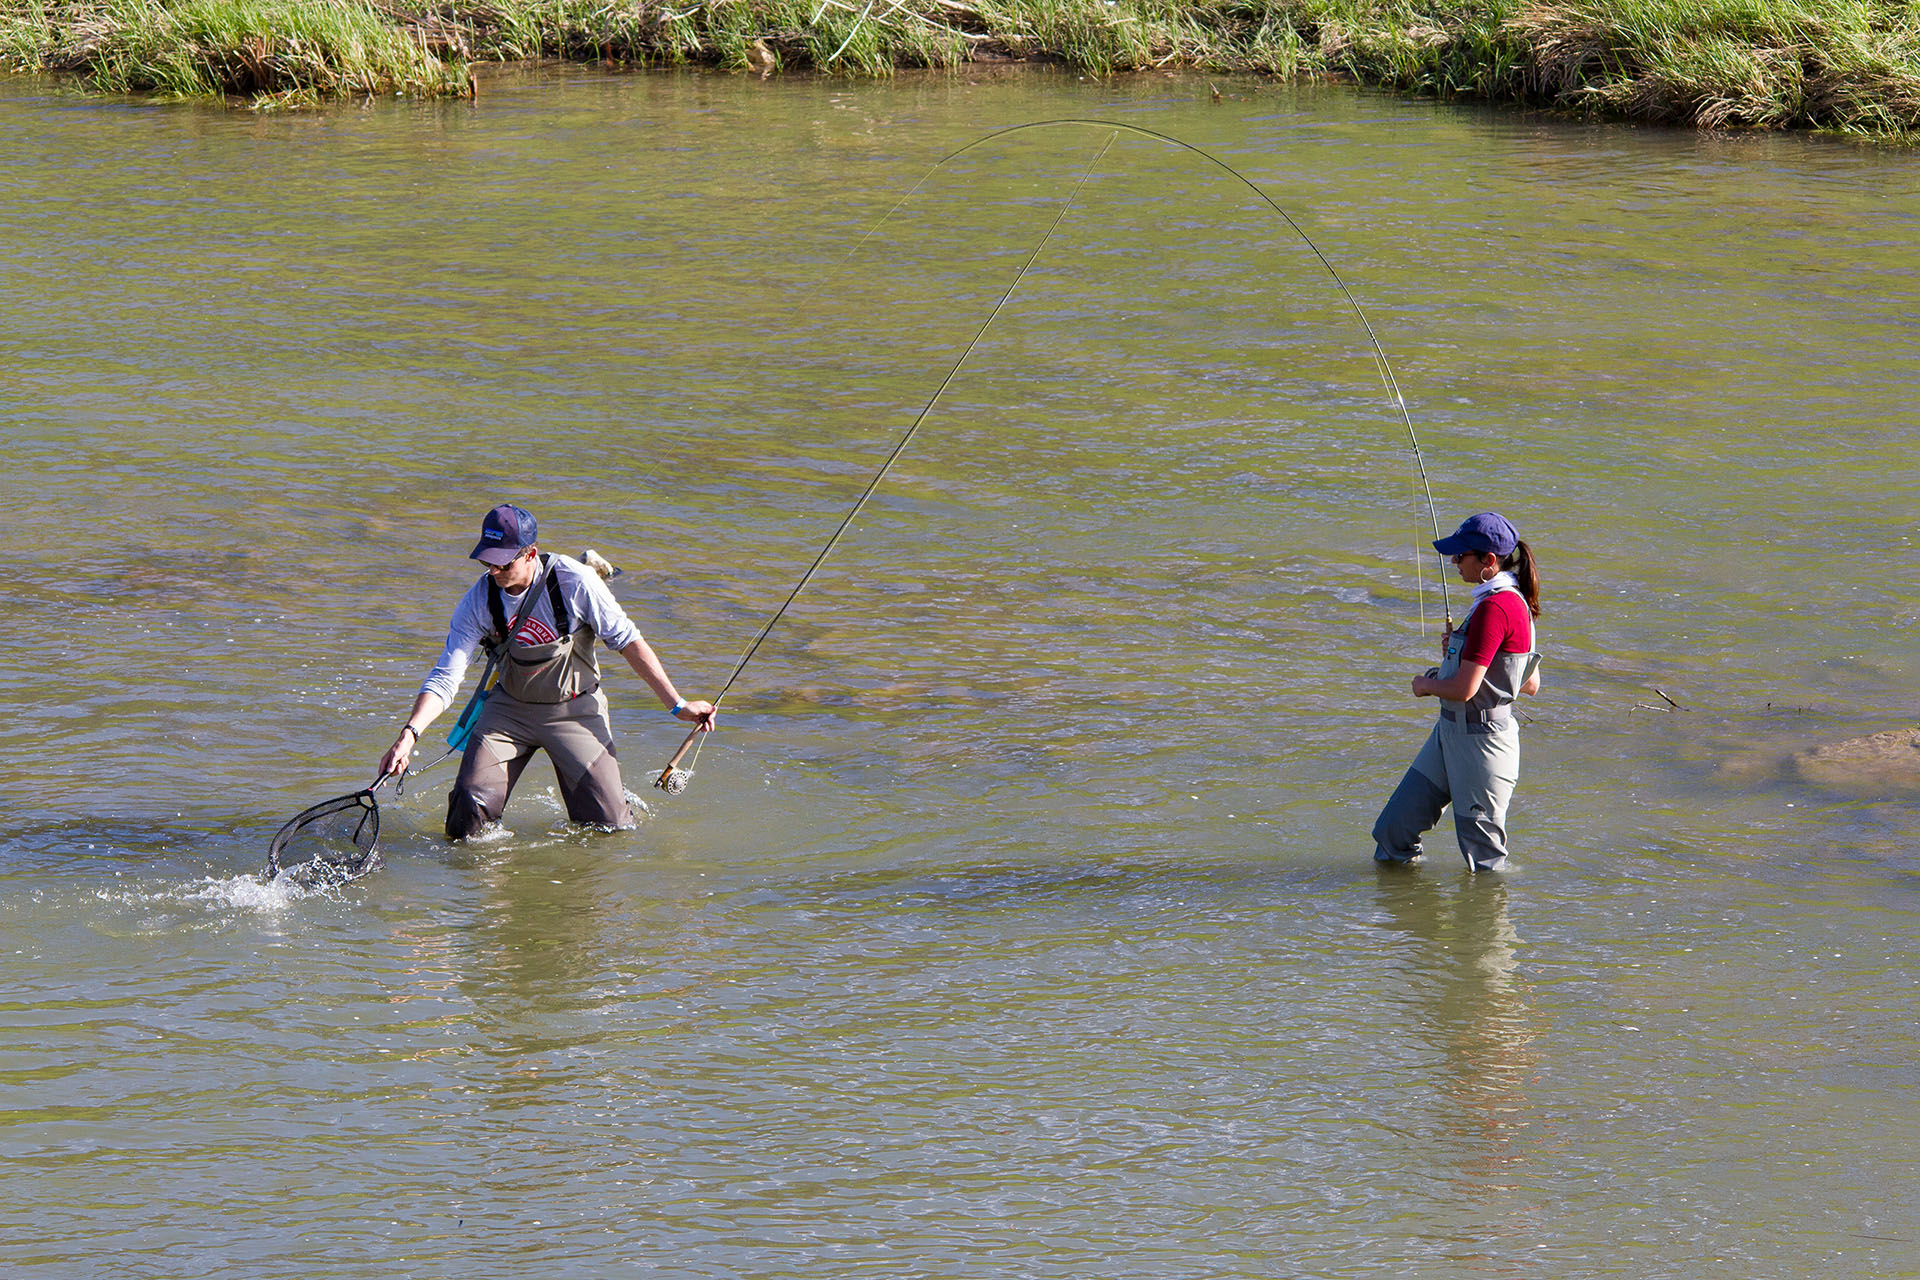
{"x":1846,"y":65}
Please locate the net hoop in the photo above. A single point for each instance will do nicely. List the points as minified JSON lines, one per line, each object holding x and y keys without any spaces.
{"x":365,"y":836}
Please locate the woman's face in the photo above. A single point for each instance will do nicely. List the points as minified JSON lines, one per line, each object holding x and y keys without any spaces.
{"x":1476,"y":566}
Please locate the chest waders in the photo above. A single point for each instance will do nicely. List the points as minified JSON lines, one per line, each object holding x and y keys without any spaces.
{"x":547,"y":699}
{"x":1471,"y":760}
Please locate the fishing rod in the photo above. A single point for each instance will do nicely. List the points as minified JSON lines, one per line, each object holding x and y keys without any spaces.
{"x":672,"y":779}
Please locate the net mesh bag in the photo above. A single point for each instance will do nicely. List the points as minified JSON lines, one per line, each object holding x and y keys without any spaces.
{"x":334,"y":841}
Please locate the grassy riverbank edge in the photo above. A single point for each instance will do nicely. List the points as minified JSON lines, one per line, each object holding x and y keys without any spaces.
{"x":1850,"y":66}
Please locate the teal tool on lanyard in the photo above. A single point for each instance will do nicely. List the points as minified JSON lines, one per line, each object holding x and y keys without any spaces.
{"x":463,"y":727}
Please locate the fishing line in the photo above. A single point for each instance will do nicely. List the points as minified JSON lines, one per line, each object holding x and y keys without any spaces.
{"x":1391,"y":383}
{"x":673,"y":780}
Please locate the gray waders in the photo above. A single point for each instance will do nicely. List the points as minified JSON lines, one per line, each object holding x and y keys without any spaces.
{"x":1471,"y":761}
{"x":547,"y":699}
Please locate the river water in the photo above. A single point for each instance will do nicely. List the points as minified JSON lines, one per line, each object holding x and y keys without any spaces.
{"x":1020,"y":922}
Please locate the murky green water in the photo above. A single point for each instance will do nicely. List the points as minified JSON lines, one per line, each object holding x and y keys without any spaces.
{"x":1021,"y":922}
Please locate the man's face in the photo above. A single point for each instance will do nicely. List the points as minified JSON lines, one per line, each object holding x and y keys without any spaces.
{"x":517,"y":574}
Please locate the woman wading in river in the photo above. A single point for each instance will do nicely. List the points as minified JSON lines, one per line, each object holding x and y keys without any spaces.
{"x":1471,"y":760}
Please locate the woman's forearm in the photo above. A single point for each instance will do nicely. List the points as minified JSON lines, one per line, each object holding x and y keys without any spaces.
{"x":1458,"y":687}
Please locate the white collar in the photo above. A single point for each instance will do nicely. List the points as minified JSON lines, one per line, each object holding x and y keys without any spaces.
{"x":1502,"y":581}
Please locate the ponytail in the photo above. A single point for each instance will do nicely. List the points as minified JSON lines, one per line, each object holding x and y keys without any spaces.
{"x":1526,"y":574}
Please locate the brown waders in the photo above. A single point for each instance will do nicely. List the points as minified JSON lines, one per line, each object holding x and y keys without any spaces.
{"x":577,"y":738}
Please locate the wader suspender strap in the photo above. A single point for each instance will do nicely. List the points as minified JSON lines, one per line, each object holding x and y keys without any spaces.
{"x":562,"y":624}
{"x":496,"y":603}
{"x":497,"y":606}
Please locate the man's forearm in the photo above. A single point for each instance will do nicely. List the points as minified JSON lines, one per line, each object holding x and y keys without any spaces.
{"x":646,"y":664}
{"x":426,"y":709}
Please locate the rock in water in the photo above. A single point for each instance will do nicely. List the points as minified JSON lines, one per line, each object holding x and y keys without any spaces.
{"x":1877,"y":762}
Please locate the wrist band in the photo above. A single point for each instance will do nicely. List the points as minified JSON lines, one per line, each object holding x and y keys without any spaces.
{"x":677,"y":708}
{"x":407,"y":728}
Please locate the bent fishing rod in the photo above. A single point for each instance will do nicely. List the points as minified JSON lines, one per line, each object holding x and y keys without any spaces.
{"x":672,"y":779}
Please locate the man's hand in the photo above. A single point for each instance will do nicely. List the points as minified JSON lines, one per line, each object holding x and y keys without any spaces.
{"x":400,"y":754}
{"x":701,"y":711}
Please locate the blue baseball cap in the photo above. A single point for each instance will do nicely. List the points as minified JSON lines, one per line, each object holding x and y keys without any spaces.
{"x":504,"y":534}
{"x":1486,"y":531}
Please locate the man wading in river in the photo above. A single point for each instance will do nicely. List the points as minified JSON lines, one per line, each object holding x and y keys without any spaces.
{"x":548,"y":695}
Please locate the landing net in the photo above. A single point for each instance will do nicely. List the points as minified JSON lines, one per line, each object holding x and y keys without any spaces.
{"x":331,"y":843}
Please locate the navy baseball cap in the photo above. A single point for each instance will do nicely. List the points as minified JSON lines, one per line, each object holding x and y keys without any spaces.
{"x":504,"y":534}
{"x":1484,"y":532}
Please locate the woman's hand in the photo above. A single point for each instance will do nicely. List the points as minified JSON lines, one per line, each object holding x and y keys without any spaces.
{"x":1458,"y":687}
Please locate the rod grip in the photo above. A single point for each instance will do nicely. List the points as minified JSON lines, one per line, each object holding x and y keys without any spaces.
{"x":674,"y":763}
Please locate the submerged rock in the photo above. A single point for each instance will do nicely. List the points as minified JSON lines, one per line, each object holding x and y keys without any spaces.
{"x":1889,"y":760}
